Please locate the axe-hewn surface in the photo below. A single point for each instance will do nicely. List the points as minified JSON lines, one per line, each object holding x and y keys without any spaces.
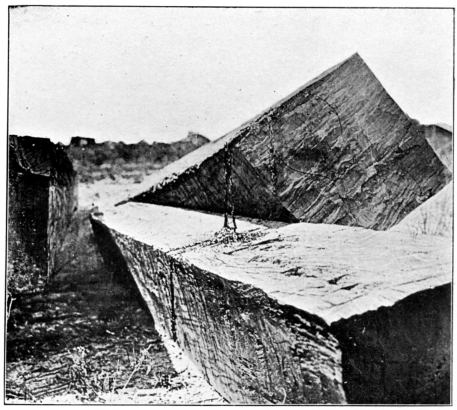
{"x":399,"y":354}
{"x":206,"y":189}
{"x":346,"y":152}
{"x":28,"y":201}
{"x":42,"y":199}
{"x":63,"y":202}
{"x":339,"y":151}
{"x":306,"y":313}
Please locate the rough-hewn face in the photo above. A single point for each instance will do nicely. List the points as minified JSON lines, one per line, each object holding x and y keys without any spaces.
{"x":62,"y":202}
{"x":42,"y":199}
{"x":206,"y":189}
{"x":337,"y":151}
{"x":27,"y":216}
{"x":250,"y":348}
{"x":345,"y":153}
{"x":400,"y":354}
{"x":311,"y":312}
{"x":440,"y":139}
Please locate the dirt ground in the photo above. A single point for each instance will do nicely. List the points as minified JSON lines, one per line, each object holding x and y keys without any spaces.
{"x":86,"y":339}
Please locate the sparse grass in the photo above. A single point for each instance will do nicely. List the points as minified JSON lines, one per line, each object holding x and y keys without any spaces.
{"x":64,"y":347}
{"x":426,"y":223}
{"x":87,"y":380}
{"x":22,"y":276}
{"x":83,"y":324}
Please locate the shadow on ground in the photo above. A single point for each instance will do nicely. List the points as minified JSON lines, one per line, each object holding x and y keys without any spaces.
{"x":83,"y":337}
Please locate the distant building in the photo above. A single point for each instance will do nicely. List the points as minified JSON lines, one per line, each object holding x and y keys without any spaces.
{"x":81,"y":141}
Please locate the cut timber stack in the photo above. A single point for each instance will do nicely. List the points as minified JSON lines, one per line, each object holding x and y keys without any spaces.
{"x":42,"y":199}
{"x":306,"y":313}
{"x":338,"y":151}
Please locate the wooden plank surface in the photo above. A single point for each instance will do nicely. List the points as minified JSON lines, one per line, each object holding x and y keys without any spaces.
{"x":332,"y":271}
{"x":337,"y":150}
{"x":304,"y":313}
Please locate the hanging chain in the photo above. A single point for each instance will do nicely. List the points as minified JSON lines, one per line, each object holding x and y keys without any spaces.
{"x":229,"y":205}
{"x":272,"y":160}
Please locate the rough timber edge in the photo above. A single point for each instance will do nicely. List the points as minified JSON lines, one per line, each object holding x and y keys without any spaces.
{"x":16,"y":142}
{"x":443,"y":126}
{"x":446,"y":158}
{"x":232,"y":134}
{"x":183,"y":254}
{"x":191,"y":162}
{"x":434,"y":216}
{"x":182,"y":363}
{"x":306,"y":303}
{"x":182,"y":358}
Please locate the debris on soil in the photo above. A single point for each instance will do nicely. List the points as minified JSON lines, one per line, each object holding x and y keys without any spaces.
{"x":86,"y":339}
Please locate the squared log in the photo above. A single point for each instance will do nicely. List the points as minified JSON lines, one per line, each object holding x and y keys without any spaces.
{"x":42,"y":190}
{"x":339,"y":150}
{"x":306,"y":313}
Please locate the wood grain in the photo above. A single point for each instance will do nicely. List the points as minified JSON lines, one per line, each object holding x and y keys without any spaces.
{"x":339,"y":150}
{"x":270,"y":318}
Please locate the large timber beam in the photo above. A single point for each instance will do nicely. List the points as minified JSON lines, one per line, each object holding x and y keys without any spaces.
{"x":42,"y":188}
{"x":338,"y":150}
{"x":306,"y":313}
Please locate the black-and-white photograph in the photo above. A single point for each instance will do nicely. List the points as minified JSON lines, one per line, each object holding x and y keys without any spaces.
{"x":229,"y":205}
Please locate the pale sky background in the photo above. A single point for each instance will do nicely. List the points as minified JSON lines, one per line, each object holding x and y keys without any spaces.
{"x":154,"y":73}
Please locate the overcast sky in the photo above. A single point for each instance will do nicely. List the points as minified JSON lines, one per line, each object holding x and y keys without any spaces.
{"x":155,"y":74}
